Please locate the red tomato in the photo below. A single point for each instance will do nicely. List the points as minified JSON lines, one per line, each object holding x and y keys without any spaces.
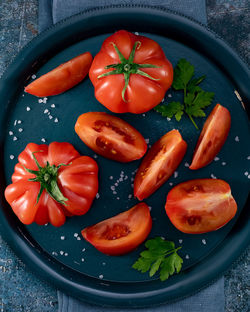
{"x":62,"y":78}
{"x":200,"y":206}
{"x":159,"y":164}
{"x":130,"y":73}
{"x":122,"y":233}
{"x":51,"y":182}
{"x":110,"y":136}
{"x":212,"y":137}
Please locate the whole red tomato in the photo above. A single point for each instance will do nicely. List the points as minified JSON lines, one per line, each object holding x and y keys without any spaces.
{"x":201,"y":205}
{"x":130,"y":73}
{"x":52,"y":182}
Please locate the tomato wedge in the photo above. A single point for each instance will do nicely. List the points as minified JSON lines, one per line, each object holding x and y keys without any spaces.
{"x":122,"y":233}
{"x":110,"y":136}
{"x":62,"y":78}
{"x":212,"y":137}
{"x":159,"y":164}
{"x":200,"y":206}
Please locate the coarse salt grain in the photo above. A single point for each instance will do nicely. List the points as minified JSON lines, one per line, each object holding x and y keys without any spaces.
{"x":40,"y":100}
{"x":19,"y":122}
{"x":248,"y":157}
{"x":62,"y":237}
{"x":216,"y":158}
{"x":61,"y":252}
{"x":203,"y":241}
{"x":169,"y":95}
{"x":126,"y":177}
{"x":237,"y":139}
{"x":56,"y":120}
{"x":132,"y":179}
{"x":50,"y":117}
{"x":43,"y":140}
{"x":76,"y":234}
{"x":213,"y":176}
{"x":147,"y":141}
{"x":14,"y":138}
{"x":180,"y":241}
{"x":143,"y":115}
{"x":117,"y":198}
{"x":150,"y":208}
{"x":101,"y":276}
{"x":186,"y":164}
{"x":223,"y":163}
{"x":104,"y":263}
{"x":97,"y":195}
{"x":15,"y":122}
{"x":168,"y":119}
{"x":54,"y":253}
{"x":249,"y":176}
{"x":187,"y":256}
{"x":170,"y":183}
{"x":66,"y":254}
{"x":11,"y":133}
{"x":78,"y":238}
{"x":130,"y":196}
{"x":175,"y":174}
{"x":52,"y":105}
{"x":136,"y":33}
{"x":20,"y":130}
{"x":82,"y":259}
{"x":12,"y":156}
{"x":33,"y":76}
{"x":111,"y":177}
{"x":246,"y":173}
{"x":112,"y":187}
{"x":27,"y":108}
{"x":114,"y":192}
{"x":83,"y":249}
{"x":116,"y":184}
{"x":46,"y":111}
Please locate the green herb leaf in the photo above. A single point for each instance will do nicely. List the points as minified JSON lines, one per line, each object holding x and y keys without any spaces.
{"x":183,"y":72}
{"x":161,"y":256}
{"x":194,"y":98}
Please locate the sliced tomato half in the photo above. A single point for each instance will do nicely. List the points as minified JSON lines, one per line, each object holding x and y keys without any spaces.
{"x":122,"y":233}
{"x":200,"y":206}
{"x":159,"y":164}
{"x":212,"y":137}
{"x":110,"y":136}
{"x":62,"y":78}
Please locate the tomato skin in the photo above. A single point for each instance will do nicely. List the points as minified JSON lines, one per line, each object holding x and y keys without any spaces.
{"x":142,"y":93}
{"x":159,"y":164}
{"x":212,"y":137}
{"x":77,"y":181}
{"x":200,"y":206}
{"x":122,"y":233}
{"x":110,"y":136}
{"x":62,"y":78}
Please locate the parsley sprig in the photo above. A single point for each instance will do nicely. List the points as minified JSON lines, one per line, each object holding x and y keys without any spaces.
{"x":161,"y":255}
{"x":194,"y":98}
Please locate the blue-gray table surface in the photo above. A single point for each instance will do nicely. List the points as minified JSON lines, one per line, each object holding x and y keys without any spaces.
{"x":20,"y":289}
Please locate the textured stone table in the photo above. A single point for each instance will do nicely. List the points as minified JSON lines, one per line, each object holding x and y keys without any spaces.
{"x":20,"y":290}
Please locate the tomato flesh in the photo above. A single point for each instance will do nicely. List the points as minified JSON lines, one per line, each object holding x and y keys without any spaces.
{"x":159,"y":164}
{"x":122,"y":233}
{"x":212,"y":137}
{"x":62,"y":78}
{"x":110,"y":136}
{"x":200,"y":206}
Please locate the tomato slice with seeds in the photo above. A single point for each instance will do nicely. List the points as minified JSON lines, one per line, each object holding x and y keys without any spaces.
{"x":110,"y":136}
{"x":61,"y":78}
{"x":212,"y":137}
{"x":200,"y":206}
{"x":159,"y":164}
{"x":122,"y":233}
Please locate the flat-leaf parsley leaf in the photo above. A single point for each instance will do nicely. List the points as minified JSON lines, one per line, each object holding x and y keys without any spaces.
{"x":161,"y":255}
{"x":194,"y":98}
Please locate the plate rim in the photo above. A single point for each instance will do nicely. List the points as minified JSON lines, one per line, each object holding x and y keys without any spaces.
{"x":27,"y":249}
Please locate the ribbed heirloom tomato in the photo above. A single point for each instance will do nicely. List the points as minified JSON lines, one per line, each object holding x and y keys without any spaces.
{"x":52,"y":182}
{"x":130,"y":73}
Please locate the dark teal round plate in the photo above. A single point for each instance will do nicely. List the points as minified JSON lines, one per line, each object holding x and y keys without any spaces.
{"x":59,"y":254}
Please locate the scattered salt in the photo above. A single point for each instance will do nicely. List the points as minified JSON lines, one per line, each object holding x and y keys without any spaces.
{"x":20,"y":130}
{"x":62,"y":237}
{"x":40,"y":101}
{"x":33,"y":76}
{"x":76,"y":234}
{"x":54,"y":253}
{"x":43,"y":140}
{"x":246,"y":173}
{"x":12,"y":156}
{"x":169,"y":95}
{"x":117,"y":198}
{"x":203,"y":241}
{"x":213,"y":176}
{"x":126,"y":177}
{"x":180,"y":241}
{"x":66,"y":254}
{"x":132,"y":179}
{"x":175,"y":174}
{"x":186,"y":164}
{"x":143,"y":115}
{"x":168,"y":119}
{"x":147,"y":141}
{"x":19,"y":122}
{"x":187,"y":256}
{"x":78,"y":238}
{"x":27,"y":108}
{"x":50,"y":117}
{"x":15,"y":122}
{"x":104,"y":263}
{"x":114,"y":192}
{"x":83,"y":249}
{"x":61,"y":252}
{"x":112,"y":187}
{"x":56,"y":120}
{"x":97,"y":195}
{"x":162,"y":100}
{"x":46,"y":111}
{"x":249,"y":176}
{"x":237,"y":139}
{"x":136,"y":33}
{"x":101,"y":276}
{"x":14,"y":138}
{"x":52,"y":105}
{"x":223,"y":163}
{"x":130,"y":196}
{"x":248,"y":157}
{"x":216,"y":158}
{"x":10,"y":132}
{"x":150,"y":208}
{"x":111,"y":177}
{"x":82,"y":259}
{"x":116,"y":184}
{"x":170,"y":183}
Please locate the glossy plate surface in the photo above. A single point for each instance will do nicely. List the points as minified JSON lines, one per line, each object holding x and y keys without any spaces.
{"x":59,"y":254}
